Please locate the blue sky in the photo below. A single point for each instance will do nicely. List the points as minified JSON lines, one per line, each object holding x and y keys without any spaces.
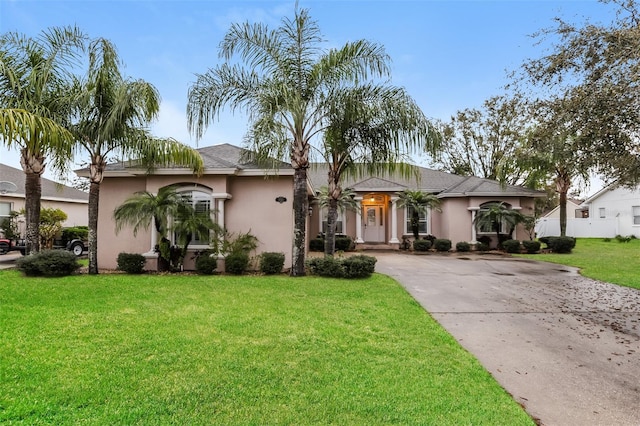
{"x":449,"y":55}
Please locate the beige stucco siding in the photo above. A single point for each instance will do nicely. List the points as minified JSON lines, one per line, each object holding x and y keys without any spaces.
{"x":253,"y":208}
{"x":113,"y":192}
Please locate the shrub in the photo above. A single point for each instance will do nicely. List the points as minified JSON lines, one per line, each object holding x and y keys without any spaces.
{"x":74,"y":233}
{"x":442,"y":244}
{"x":131,"y":263}
{"x":237,"y":263}
{"x":511,"y":246}
{"x":606,"y":240}
{"x":48,"y":263}
{"x":531,"y":246}
{"x":206,"y":264}
{"x":486,"y":240}
{"x":480,"y":246}
{"x":344,"y":243}
{"x":562,"y":244}
{"x":431,"y":238}
{"x":326,"y":266}
{"x":359,"y":266}
{"x":463,"y":246}
{"x":421,"y":245}
{"x":271,"y":263}
{"x":622,"y":239}
{"x":316,"y":244}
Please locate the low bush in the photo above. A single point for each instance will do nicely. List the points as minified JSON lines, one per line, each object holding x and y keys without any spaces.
{"x":559,"y":244}
{"x":236,"y":263}
{"x":431,"y":238}
{"x":622,"y":239}
{"x":326,"y":266}
{"x":463,"y":246}
{"x":531,"y":246}
{"x":486,"y":240}
{"x":344,"y":243}
{"x":442,"y":244}
{"x":511,"y":246}
{"x":74,"y":233}
{"x":480,"y":246}
{"x":131,"y":263}
{"x":421,"y":245}
{"x":206,"y":263}
{"x":48,"y":263}
{"x":360,"y":266}
{"x":316,"y":244}
{"x":271,"y":263}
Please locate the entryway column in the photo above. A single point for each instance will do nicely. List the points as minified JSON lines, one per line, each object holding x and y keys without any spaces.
{"x":218,"y":202}
{"x":394,"y":221}
{"x":154,"y":239}
{"x":474,"y":211}
{"x":359,"y":239}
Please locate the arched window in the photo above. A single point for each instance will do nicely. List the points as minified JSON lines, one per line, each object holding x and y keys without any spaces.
{"x":489,"y":227}
{"x":200,"y":199}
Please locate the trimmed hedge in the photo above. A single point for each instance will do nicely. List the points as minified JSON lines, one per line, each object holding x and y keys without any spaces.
{"x":344,"y":243}
{"x":48,"y":263}
{"x":131,"y":263}
{"x":236,"y":263}
{"x":463,"y":246}
{"x":421,"y":245}
{"x":316,"y":244}
{"x":511,"y":246}
{"x":206,"y":264}
{"x":531,"y":246}
{"x":559,"y":244}
{"x":271,"y":263}
{"x":359,"y":266}
{"x":442,"y":244}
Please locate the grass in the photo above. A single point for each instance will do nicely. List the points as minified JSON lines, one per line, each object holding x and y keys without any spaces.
{"x":609,"y":261}
{"x":155,"y":350}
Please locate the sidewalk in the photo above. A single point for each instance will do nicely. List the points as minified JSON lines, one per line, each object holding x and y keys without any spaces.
{"x":8,"y":260}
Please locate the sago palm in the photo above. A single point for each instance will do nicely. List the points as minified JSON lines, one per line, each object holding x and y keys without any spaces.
{"x":494,"y":215}
{"x":417,"y":202}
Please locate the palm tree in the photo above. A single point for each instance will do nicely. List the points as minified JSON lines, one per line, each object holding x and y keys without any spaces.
{"x":372,"y":130}
{"x":113,"y":112}
{"x":144,"y":207}
{"x":35,"y":75}
{"x":417,"y":202}
{"x":344,"y":201}
{"x":494,"y":215}
{"x":286,"y":85}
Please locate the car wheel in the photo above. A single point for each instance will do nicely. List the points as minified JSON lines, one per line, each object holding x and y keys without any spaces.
{"x":4,"y":248}
{"x":77,"y":249}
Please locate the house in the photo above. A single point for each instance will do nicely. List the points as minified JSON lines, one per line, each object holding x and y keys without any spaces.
{"x":381,"y":222}
{"x":244,"y":197}
{"x":70,"y":200}
{"x":609,"y":212}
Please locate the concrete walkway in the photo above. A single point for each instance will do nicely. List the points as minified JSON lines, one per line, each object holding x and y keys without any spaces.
{"x":565,"y":347}
{"x":8,"y":260}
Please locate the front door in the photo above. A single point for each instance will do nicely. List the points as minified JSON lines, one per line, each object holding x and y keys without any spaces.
{"x":373,"y":224}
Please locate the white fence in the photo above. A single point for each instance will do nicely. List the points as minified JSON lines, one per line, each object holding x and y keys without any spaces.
{"x":585,"y":228}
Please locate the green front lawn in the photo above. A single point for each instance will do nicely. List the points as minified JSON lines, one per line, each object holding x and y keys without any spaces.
{"x":610,"y":261}
{"x":153,"y":350}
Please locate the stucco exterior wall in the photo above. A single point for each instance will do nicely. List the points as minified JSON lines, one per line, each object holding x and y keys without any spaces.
{"x":253,"y":208}
{"x":113,"y":192}
{"x":455,"y":220}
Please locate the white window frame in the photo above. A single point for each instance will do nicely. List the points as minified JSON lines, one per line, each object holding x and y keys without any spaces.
{"x":205,"y":195}
{"x":503,"y":224}
{"x":425,"y":220}
{"x":8,"y":211}
{"x":635,"y":215}
{"x":602,"y":212}
{"x":340,"y":221}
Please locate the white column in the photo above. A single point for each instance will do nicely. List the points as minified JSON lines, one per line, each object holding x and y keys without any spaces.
{"x":474,"y":211}
{"x":359,"y":239}
{"x":218,"y":201}
{"x":154,"y":239}
{"x":394,"y":221}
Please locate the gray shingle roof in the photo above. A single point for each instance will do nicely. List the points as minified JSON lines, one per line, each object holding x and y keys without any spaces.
{"x":433,"y":181}
{"x":50,"y":189}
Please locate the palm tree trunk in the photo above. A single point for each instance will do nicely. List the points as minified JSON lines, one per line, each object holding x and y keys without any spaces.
{"x":33,"y":166}
{"x":94,"y":197}
{"x":330,"y":237}
{"x":300,"y":208}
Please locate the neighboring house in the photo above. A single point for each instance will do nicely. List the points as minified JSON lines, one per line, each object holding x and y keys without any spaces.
{"x":611,"y":211}
{"x":54,"y":195}
{"x":243,"y":197}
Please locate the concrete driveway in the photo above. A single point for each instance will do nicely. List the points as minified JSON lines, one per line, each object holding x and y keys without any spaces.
{"x":565,"y":347}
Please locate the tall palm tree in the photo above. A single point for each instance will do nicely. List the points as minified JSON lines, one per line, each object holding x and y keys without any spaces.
{"x":418,"y":202}
{"x":494,"y":215}
{"x":373,"y":129}
{"x":35,"y":74}
{"x":286,"y":82}
{"x":113,"y":113}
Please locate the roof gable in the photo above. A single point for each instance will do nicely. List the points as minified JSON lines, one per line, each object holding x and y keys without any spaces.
{"x":50,"y":189}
